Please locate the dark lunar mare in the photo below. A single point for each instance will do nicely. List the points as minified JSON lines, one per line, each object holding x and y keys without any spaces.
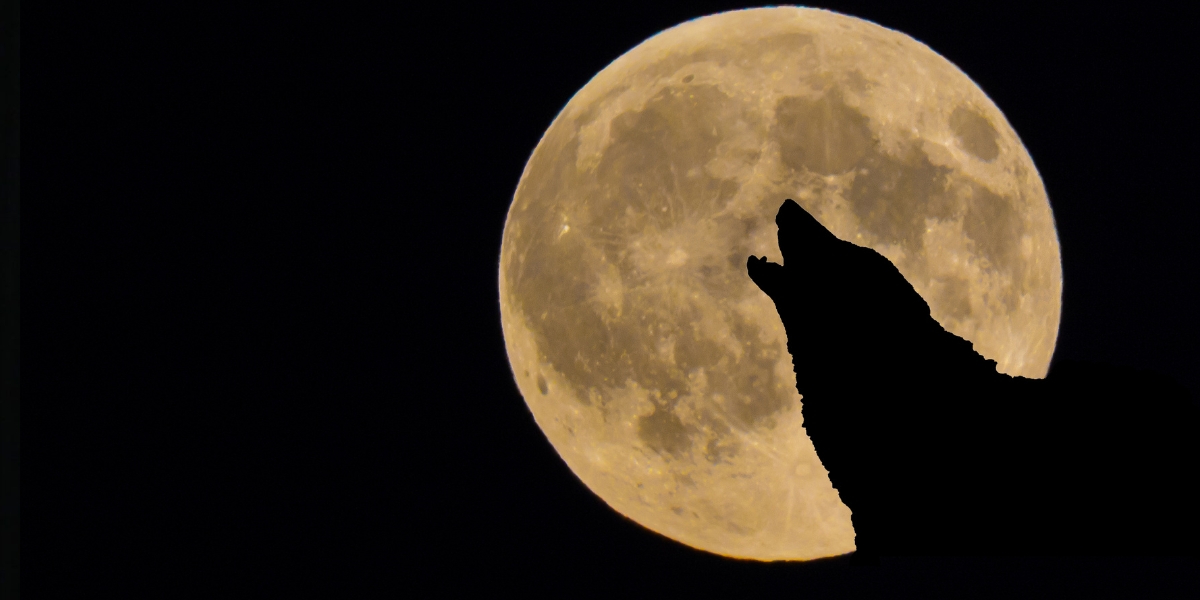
{"x":937,"y":453}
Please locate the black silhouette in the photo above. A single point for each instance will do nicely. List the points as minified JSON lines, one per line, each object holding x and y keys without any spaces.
{"x":935,"y":452}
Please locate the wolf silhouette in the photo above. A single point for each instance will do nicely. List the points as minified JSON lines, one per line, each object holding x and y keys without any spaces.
{"x":937,"y":453}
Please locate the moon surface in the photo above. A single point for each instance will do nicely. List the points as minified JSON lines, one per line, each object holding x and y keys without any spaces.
{"x":651,"y":361}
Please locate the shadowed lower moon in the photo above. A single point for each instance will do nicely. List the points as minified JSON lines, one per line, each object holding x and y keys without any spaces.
{"x":653,"y":364}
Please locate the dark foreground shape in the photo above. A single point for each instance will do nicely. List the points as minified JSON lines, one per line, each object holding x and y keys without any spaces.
{"x":935,"y":452}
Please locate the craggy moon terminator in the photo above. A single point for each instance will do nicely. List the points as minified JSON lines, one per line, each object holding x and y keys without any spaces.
{"x":651,"y":361}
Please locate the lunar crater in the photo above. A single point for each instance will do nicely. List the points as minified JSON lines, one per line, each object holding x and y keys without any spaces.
{"x":975,"y":133}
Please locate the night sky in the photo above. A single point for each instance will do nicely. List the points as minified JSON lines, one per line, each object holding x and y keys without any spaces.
{"x":273,"y":280}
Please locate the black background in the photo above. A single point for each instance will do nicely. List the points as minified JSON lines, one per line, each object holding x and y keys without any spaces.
{"x":268,"y":319}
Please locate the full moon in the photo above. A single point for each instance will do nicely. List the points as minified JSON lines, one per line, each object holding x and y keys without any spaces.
{"x":650,"y":360}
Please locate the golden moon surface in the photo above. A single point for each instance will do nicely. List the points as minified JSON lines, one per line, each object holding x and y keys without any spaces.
{"x":654,"y":365}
